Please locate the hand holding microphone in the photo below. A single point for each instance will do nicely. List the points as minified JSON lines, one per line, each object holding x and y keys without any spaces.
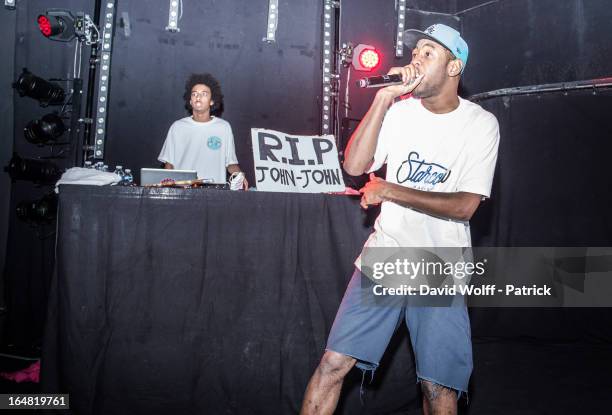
{"x":399,"y":80}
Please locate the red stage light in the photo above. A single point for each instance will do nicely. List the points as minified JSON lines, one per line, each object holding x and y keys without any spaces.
{"x":57,"y":24}
{"x":44,"y":25}
{"x":366,"y":57}
{"x":369,"y":58}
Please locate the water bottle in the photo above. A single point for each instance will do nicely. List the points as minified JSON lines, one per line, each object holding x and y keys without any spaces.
{"x":120,"y":174}
{"x":129,"y":178}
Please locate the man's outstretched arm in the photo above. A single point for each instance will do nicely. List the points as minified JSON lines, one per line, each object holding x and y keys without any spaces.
{"x":453,"y":205}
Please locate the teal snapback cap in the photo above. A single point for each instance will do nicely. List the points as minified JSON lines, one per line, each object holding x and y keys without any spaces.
{"x":444,"y":35}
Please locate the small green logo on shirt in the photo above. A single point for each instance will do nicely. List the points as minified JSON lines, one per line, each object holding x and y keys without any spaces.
{"x":214,"y":143}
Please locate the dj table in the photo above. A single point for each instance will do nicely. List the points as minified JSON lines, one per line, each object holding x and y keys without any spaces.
{"x":204,"y":301}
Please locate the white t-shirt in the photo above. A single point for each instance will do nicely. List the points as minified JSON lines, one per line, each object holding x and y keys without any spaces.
{"x":452,"y":152}
{"x":207,"y":147}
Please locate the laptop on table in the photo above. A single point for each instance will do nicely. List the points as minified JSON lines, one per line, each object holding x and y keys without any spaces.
{"x":155,"y":176}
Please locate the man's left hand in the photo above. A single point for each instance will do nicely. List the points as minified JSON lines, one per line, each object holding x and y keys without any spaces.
{"x":373,"y":192}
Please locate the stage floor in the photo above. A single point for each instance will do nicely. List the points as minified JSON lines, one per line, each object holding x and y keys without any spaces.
{"x":510,"y":378}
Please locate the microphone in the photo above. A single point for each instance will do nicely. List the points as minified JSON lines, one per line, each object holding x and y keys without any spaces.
{"x":380,"y":81}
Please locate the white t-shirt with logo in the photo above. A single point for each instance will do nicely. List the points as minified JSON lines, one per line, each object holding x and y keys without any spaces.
{"x":207,"y":147}
{"x":452,"y":152}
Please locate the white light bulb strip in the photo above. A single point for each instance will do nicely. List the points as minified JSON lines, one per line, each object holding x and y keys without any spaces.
{"x":173,"y":17}
{"x":399,"y":31}
{"x":106,"y":45}
{"x":329,"y":10}
{"x":272,"y":21}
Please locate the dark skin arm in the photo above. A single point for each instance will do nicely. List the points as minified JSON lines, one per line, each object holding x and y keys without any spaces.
{"x":456,"y":205}
{"x":233,"y":168}
{"x":360,"y":153}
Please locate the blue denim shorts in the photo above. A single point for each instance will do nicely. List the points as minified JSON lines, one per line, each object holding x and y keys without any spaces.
{"x":440,"y":336}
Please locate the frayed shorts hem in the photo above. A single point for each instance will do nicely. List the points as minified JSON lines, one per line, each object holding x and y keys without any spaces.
{"x":361,"y":363}
{"x":460,"y":391}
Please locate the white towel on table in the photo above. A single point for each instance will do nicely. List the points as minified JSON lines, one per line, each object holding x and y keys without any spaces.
{"x":79,"y":175}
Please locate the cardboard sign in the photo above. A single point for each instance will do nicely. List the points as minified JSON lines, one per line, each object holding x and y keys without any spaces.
{"x":292,"y":163}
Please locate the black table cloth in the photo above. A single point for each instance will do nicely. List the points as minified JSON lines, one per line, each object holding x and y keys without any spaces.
{"x":204,"y":301}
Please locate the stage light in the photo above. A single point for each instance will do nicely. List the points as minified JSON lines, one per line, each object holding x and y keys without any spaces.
{"x":32,"y":86}
{"x":38,"y":171}
{"x":57,"y":24}
{"x":9,"y":4}
{"x":173,"y":16}
{"x":399,"y":28}
{"x":44,"y":131}
{"x":272,"y":22}
{"x":104,"y":81}
{"x":47,"y":28}
{"x":365,"y":58}
{"x":43,"y":210}
{"x":369,"y":58}
{"x":329,"y":77}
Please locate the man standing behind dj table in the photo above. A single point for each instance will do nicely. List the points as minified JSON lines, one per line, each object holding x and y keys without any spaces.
{"x":202,"y":142}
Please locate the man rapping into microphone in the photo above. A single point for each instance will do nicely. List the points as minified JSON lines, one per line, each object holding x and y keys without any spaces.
{"x":440,"y":152}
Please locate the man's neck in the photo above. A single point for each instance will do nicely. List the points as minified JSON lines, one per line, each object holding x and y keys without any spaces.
{"x":201,"y":116}
{"x":441,"y":104}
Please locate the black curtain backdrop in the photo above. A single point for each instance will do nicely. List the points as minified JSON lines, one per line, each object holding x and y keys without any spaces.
{"x":527,"y":42}
{"x":551,"y":188}
{"x":204,"y":301}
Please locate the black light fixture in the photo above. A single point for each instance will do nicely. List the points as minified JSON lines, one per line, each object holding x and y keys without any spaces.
{"x":38,"y":171}
{"x":64,"y":26}
{"x":43,"y":210}
{"x":45,"y":130}
{"x":43,"y":91}
{"x":57,"y":24}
